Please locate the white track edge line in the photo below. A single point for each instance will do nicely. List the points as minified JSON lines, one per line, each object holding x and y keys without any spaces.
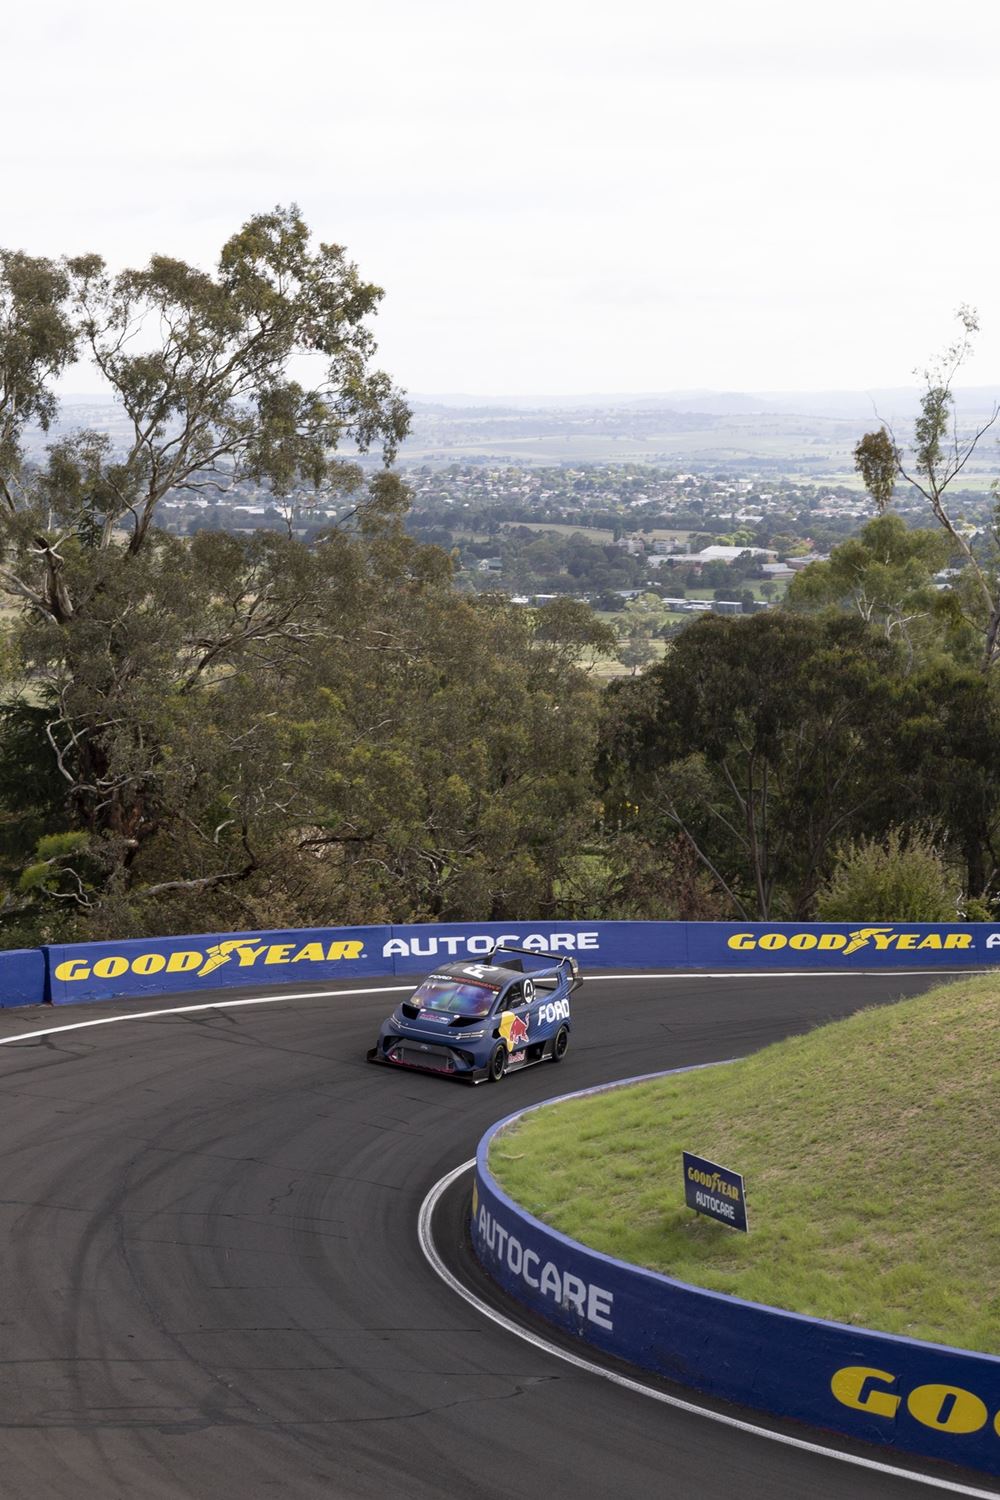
{"x":427,"y":1245}
{"x":388,"y":989}
{"x":184,"y":1010}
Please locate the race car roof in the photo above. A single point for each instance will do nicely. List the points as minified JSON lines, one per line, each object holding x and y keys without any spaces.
{"x":474,"y":973}
{"x":493,"y":974}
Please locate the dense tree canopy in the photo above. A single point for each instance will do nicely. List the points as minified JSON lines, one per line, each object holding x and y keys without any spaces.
{"x":254,"y":730}
{"x":886,"y":575}
{"x":767,"y":743}
{"x":250,"y":730}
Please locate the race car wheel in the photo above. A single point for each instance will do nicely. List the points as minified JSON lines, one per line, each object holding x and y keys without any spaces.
{"x":498,"y":1063}
{"x":560,"y":1044}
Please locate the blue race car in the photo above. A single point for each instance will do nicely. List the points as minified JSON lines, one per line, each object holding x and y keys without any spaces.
{"x":480,"y":1020}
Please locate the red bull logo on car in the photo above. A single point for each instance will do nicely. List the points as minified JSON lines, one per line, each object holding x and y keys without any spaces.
{"x":513,"y":1029}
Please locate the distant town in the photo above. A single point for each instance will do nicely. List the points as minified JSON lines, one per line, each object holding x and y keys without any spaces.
{"x":652,"y":542}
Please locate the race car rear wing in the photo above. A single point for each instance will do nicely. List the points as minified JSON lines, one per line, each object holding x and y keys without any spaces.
{"x":559,"y":959}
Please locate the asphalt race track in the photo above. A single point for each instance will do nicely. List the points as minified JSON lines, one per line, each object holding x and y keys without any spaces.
{"x":212,"y":1283}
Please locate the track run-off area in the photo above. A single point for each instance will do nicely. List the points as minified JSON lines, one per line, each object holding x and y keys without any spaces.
{"x":214,"y":1284}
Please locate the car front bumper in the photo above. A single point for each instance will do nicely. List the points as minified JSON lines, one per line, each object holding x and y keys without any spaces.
{"x":426,"y":1057}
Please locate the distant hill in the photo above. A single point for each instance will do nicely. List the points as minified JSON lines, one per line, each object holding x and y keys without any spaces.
{"x":807,"y":434}
{"x":901,"y":401}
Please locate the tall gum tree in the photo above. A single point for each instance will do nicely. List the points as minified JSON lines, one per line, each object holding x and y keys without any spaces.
{"x":118,"y":622}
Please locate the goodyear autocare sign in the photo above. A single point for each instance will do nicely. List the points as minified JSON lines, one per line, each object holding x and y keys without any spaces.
{"x":163,"y":966}
{"x":715,"y":1191}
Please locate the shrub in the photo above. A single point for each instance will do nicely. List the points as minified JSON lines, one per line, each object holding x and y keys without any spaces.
{"x":902,"y":878}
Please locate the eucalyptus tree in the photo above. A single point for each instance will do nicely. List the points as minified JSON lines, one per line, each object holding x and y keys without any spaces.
{"x":202,"y":366}
{"x":885,"y":575}
{"x":941,"y":452}
{"x":122,"y":630}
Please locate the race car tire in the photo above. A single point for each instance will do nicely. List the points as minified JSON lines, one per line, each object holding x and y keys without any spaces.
{"x":498,"y":1063}
{"x":560,"y":1044}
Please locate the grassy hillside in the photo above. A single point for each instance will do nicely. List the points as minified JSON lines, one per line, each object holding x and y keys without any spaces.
{"x":869,"y":1149}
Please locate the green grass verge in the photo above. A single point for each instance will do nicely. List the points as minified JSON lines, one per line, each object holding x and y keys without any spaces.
{"x":869,"y":1148}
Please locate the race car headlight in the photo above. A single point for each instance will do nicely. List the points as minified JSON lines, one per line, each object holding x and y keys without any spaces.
{"x":394,"y":1024}
{"x":472,"y":1036}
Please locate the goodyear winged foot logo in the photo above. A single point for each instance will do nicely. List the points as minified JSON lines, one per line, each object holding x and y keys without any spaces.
{"x":864,"y":936}
{"x":221,"y":953}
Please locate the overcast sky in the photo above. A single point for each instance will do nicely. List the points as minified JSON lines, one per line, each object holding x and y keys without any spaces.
{"x":556,"y":196}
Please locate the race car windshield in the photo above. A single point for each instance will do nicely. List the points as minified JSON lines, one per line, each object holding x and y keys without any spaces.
{"x":454,"y":996}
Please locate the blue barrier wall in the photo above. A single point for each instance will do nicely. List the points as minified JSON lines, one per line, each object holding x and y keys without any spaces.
{"x":74,"y":972}
{"x":711,"y":945}
{"x":22,"y":977}
{"x":926,"y":1399}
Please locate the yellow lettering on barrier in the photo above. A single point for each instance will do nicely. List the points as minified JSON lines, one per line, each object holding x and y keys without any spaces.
{"x":947,"y":1408}
{"x":311,"y":953}
{"x":149,"y":963}
{"x":883,"y":938}
{"x":851,"y":1388}
{"x":184,"y":961}
{"x":942,"y":1408}
{"x":188,"y":960}
{"x":110,"y":968}
{"x":73,"y":968}
{"x":349,"y":949}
